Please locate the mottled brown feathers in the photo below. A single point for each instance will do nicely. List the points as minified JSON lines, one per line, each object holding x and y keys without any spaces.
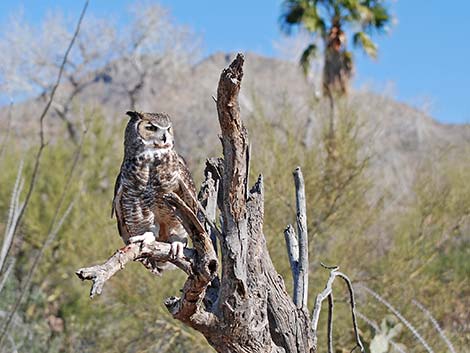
{"x":151,"y":168}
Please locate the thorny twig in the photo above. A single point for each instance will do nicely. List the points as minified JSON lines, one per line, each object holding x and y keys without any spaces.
{"x":436,"y":325}
{"x":390,"y":307}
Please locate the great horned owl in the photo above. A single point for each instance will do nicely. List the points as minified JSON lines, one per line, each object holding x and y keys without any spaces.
{"x":151,"y":168}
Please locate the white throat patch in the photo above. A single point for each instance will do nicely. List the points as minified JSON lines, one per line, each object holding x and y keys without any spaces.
{"x":151,"y":153}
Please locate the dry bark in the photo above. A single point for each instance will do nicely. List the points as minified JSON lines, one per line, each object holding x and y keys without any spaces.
{"x":247,"y":309}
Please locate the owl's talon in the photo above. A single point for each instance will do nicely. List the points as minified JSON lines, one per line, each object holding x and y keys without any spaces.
{"x":145,"y":238}
{"x":176,"y":250}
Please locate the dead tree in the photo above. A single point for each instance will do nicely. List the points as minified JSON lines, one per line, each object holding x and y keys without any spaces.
{"x":245,"y":306}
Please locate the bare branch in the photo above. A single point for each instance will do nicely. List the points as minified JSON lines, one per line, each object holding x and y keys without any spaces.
{"x":235,"y":147}
{"x":42,"y":117}
{"x":234,"y":137}
{"x":301,"y":291}
{"x":319,"y":300}
{"x":204,"y":270}
{"x":293,"y":252}
{"x":158,"y":251}
{"x":331,"y":305}
{"x":200,"y":264}
{"x":326,"y":294}
{"x":208,"y":200}
{"x":353,"y":310}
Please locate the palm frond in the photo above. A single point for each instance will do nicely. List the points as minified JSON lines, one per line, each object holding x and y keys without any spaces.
{"x":362,"y":40}
{"x":292,"y":15}
{"x":306,"y":57}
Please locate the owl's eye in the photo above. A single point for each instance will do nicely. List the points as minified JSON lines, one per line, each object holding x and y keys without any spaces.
{"x":151,"y":128}
{"x":169,"y":130}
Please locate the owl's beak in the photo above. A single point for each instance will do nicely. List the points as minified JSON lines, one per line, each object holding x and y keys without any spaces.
{"x":162,"y":141}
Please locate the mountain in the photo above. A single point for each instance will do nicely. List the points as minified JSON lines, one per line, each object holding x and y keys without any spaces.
{"x":399,"y":136}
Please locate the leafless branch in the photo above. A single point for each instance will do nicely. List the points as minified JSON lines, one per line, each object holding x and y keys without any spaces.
{"x":42,"y":117}
{"x":159,"y":251}
{"x":301,"y":291}
{"x":292,"y":244}
{"x":353,"y":310}
{"x":329,"y":330}
{"x":208,"y":201}
{"x":204,"y":269}
{"x":200,"y":264}
{"x":324,"y":295}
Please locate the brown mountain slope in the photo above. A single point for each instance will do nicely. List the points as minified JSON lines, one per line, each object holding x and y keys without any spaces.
{"x":400,"y":137}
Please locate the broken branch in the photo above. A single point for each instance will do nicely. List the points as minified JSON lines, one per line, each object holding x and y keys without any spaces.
{"x":159,"y":251}
{"x":301,"y":290}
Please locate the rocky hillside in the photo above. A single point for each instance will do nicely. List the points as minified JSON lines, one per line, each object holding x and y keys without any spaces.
{"x":400,"y":137}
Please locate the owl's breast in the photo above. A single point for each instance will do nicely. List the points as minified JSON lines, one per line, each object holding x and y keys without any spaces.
{"x":164,"y":180}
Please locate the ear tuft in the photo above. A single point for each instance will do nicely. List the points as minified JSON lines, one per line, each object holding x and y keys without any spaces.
{"x":133,"y":114}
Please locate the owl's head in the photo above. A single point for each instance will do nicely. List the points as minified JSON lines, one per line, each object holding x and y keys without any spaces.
{"x":154,"y":130}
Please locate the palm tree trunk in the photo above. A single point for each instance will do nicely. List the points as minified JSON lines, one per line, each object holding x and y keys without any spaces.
{"x":337,"y":69}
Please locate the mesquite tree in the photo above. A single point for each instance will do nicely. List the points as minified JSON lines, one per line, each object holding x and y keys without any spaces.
{"x":244,"y":307}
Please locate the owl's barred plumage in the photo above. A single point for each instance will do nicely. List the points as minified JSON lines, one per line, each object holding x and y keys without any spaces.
{"x":151,"y":168}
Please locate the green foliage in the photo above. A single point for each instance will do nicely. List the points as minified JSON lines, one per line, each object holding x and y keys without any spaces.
{"x":329,"y":18}
{"x":417,"y":250}
{"x":306,"y":57}
{"x":319,"y":15}
{"x":362,"y":40}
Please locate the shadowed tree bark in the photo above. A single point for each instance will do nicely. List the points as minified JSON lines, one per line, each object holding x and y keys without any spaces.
{"x":247,"y":309}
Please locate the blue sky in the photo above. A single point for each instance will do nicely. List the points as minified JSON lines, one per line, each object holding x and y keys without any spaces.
{"x":425,"y":57}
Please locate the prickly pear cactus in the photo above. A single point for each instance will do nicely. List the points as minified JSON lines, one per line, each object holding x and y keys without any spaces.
{"x":389,"y":328}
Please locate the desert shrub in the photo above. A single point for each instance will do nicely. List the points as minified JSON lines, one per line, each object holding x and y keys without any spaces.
{"x":418,"y":250}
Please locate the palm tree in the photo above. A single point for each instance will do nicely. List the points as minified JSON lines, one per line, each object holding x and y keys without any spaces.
{"x":328,"y":20}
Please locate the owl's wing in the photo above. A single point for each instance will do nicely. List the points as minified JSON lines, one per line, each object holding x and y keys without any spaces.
{"x":117,"y":194}
{"x":187,"y":189}
{"x":116,"y":209}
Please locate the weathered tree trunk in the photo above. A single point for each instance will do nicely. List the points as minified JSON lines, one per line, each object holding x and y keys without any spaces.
{"x":247,"y":309}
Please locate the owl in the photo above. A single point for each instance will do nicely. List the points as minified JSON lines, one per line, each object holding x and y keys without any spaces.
{"x":151,"y":168}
